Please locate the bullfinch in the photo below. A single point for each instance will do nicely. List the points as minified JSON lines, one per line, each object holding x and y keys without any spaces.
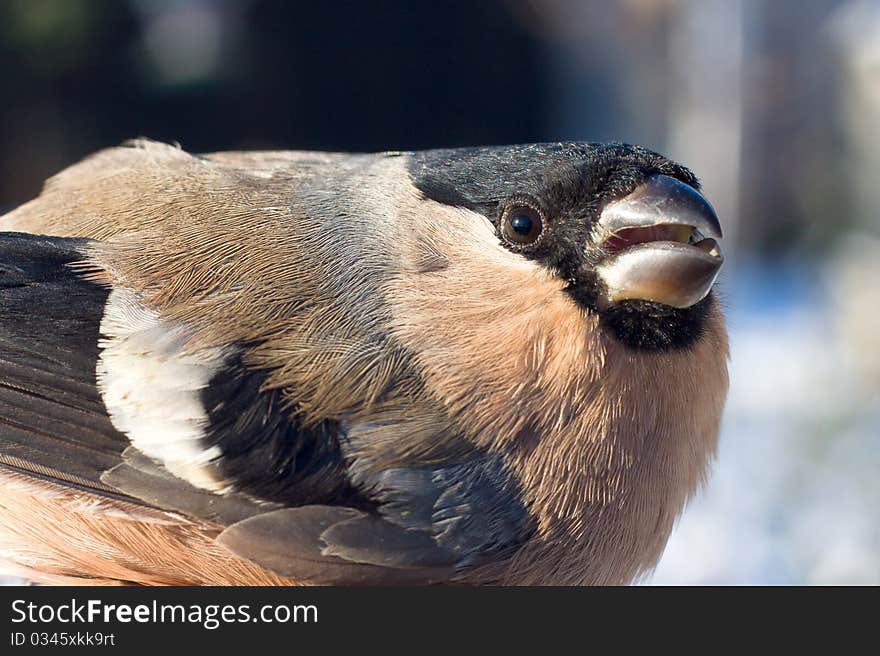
{"x":493,"y":365}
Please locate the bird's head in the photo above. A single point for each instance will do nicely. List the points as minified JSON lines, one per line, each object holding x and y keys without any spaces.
{"x":559,"y":299}
{"x":626,"y":230}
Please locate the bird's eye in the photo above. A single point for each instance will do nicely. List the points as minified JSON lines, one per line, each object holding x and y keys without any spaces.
{"x":522,"y":225}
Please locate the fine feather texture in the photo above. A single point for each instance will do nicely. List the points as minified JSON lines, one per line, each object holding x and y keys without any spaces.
{"x":47,"y":380}
{"x":325,"y":544}
{"x":146,"y":480}
{"x":157,"y":395}
{"x":463,"y":400}
{"x":165,"y":418}
{"x":58,"y":534}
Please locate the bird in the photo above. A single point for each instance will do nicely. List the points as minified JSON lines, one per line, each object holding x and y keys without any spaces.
{"x":492,"y":365}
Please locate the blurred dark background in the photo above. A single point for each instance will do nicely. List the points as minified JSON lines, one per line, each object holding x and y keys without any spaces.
{"x":364,"y":76}
{"x":763,"y":81}
{"x":774,"y":104}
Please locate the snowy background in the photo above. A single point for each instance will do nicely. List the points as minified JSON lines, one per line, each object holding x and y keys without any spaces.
{"x":794,"y":496}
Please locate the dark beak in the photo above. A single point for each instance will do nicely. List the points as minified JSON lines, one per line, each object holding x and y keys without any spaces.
{"x":661,"y":244}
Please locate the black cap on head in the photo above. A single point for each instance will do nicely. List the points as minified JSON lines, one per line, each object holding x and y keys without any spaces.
{"x":546,"y":200}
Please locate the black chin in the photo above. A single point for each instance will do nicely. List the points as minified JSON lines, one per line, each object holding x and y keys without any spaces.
{"x":648,"y":326}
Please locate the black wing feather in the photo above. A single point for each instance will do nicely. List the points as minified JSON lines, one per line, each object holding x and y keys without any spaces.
{"x":51,"y":414}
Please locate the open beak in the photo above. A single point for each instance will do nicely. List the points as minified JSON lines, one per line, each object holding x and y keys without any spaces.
{"x":661,"y":244}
